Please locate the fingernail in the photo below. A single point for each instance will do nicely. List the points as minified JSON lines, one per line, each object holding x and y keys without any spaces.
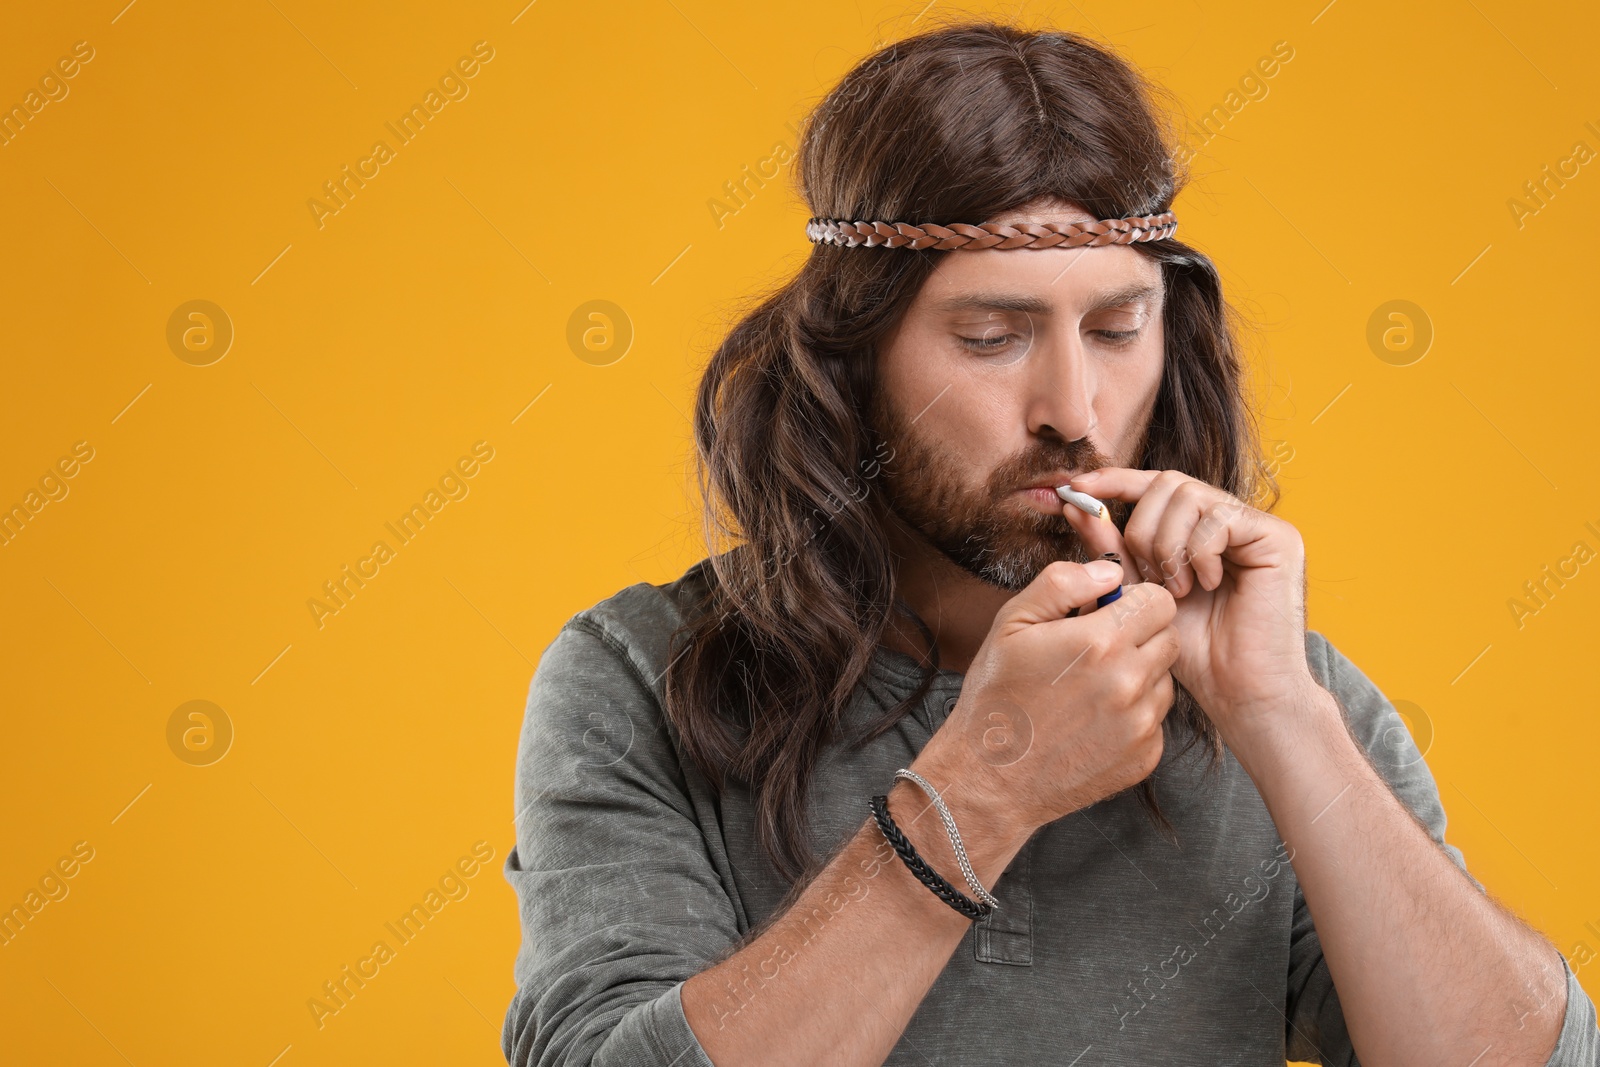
{"x":1102,"y":570}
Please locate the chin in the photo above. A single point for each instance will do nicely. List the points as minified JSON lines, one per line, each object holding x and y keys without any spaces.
{"x":1014,"y":567}
{"x":1013,"y":581}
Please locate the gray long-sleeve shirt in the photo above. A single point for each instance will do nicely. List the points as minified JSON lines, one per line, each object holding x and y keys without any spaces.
{"x":1111,"y":945}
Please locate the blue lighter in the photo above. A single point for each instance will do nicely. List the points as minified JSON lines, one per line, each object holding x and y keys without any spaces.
{"x":1102,"y":601}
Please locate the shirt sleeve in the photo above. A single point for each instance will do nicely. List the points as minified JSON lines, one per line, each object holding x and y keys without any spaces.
{"x":618,"y":898}
{"x":1315,"y":1030}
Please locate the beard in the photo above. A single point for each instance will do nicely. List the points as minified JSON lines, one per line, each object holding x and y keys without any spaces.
{"x":985,"y":531}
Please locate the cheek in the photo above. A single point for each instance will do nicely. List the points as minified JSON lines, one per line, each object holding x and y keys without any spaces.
{"x":968,"y":439}
{"x":1139,"y":367}
{"x":955,"y":401}
{"x":946,"y":424}
{"x":918,"y":364}
{"x":978,"y":413}
{"x":1150,"y":365}
{"x":1127,"y":388}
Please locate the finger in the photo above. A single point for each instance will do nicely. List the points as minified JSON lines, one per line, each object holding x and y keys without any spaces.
{"x":1136,"y":616}
{"x":1099,"y":537}
{"x":1140,"y":531}
{"x":1161,"y":651}
{"x":1228,"y":530}
{"x":1161,"y":696}
{"x":1142,"y":612}
{"x":1059,"y":588}
{"x":1115,"y":483}
{"x":1245,"y":535}
{"x":1210,"y":538}
{"x":1172,"y":544}
{"x":1198,"y":527}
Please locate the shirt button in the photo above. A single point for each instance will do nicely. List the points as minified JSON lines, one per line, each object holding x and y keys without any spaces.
{"x":950,"y":705}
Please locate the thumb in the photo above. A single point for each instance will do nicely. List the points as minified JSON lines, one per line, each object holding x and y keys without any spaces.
{"x":1060,"y":588}
{"x":1099,"y":535}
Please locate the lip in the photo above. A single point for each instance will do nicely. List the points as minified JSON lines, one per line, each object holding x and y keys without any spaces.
{"x":1051,"y":482}
{"x":1044,"y":498}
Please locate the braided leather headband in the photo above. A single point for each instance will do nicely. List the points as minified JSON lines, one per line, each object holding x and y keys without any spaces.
{"x":960,"y":235}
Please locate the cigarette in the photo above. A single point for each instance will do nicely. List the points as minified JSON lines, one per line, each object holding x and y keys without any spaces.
{"x":1084,"y":502}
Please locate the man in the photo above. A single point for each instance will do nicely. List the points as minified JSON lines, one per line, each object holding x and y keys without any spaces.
{"x":704,"y":874}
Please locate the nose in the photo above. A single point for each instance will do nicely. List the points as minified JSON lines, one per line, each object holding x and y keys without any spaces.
{"x":1060,"y":400}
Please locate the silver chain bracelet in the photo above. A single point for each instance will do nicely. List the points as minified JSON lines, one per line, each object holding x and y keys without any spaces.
{"x":955,"y":836}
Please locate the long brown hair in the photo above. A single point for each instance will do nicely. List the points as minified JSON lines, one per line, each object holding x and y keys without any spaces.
{"x":960,"y":123}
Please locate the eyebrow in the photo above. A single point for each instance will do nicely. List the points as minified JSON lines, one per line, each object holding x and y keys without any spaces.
{"x":1036,"y":306}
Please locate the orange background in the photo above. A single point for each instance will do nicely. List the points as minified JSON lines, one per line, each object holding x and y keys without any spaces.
{"x":373,"y":751}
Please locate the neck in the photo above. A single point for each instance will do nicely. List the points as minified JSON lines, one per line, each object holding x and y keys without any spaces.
{"x":957,"y":607}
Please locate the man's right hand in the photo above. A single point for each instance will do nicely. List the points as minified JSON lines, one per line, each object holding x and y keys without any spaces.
{"x":1057,"y":713}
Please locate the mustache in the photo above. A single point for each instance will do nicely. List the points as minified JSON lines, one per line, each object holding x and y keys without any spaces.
{"x":1080,"y":455}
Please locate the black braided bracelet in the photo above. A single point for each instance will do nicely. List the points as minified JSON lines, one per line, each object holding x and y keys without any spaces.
{"x":929,"y":877}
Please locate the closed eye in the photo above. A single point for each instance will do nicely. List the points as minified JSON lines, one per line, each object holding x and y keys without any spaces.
{"x":998,"y":342}
{"x":992,"y":343}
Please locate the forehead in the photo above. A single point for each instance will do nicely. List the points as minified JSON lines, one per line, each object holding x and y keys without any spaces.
{"x":1040,"y":280}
